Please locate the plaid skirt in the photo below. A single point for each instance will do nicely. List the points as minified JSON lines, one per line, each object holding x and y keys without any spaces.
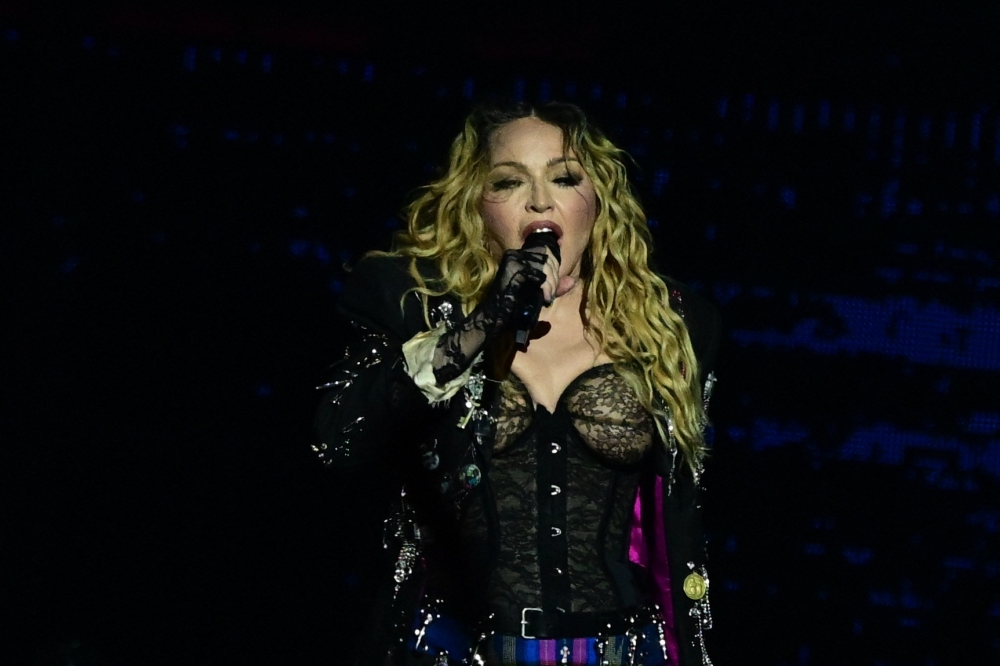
{"x":443,"y":637}
{"x":502,"y":650}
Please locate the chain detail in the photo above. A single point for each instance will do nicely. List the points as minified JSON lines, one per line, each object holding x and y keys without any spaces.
{"x":701,"y":611}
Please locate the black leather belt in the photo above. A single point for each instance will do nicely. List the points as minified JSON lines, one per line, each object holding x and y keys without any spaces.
{"x":537,"y":623}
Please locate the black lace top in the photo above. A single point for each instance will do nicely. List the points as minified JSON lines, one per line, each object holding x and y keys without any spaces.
{"x":562,"y":481}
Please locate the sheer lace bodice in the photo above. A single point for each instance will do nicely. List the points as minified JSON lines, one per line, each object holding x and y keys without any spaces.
{"x":564,"y":483}
{"x":602,"y":408}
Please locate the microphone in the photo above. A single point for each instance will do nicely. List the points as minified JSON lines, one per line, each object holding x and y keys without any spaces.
{"x":530,"y":305}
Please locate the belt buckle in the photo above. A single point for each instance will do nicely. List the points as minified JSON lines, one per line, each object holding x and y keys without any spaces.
{"x":524,"y":621}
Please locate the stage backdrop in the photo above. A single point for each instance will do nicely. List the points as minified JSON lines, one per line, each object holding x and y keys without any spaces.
{"x":182,"y":191}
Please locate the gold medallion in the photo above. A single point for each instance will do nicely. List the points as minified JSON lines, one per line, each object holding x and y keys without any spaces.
{"x":694,"y":586}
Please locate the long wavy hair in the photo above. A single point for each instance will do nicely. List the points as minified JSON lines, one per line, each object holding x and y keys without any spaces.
{"x":628,"y":310}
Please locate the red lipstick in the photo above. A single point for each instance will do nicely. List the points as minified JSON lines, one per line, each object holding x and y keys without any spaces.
{"x":543,"y":226}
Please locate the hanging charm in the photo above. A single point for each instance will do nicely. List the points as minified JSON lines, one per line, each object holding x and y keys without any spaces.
{"x":473,"y":399}
{"x":632,"y":637}
{"x":405,"y":562}
{"x":662,"y":634}
{"x":441,"y":313}
{"x":706,"y":395}
{"x":470,"y":476}
{"x":400,"y":529}
{"x":674,"y":449}
{"x":696,"y":587}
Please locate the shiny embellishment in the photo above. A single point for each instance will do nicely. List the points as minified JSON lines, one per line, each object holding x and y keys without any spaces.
{"x":701,"y":611}
{"x":442,"y":313}
{"x":405,"y":562}
{"x":706,"y":397}
{"x":422,"y":631}
{"x":364,"y":354}
{"x":564,"y":654}
{"x":334,"y":384}
{"x":430,"y":460}
{"x":706,"y":393}
{"x":696,"y":613}
{"x":353,"y":426}
{"x":677,"y":302}
{"x":556,"y":532}
{"x":555,"y":490}
{"x":662,"y":633}
{"x":633,"y":641}
{"x":673,"y":448}
{"x":694,"y":586}
{"x":470,"y":476}
{"x":556,"y":448}
{"x":480,"y":635}
{"x":473,"y":399}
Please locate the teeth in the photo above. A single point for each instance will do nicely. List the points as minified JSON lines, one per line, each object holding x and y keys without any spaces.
{"x":544,"y":230}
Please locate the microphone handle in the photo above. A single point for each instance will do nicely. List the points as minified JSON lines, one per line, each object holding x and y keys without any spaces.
{"x":530,"y":306}
{"x":527,"y":316}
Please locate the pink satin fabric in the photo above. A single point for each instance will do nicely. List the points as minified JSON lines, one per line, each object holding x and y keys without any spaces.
{"x":650,"y":551}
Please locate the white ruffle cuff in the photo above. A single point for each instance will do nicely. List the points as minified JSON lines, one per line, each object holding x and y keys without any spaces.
{"x":418,"y":354}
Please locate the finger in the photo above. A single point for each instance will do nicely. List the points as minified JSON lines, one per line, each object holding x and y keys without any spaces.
{"x":534,"y":275}
{"x":535,"y":255}
{"x":551,"y":279}
{"x":548,"y":293}
{"x":565,"y":284}
{"x":552,"y":261}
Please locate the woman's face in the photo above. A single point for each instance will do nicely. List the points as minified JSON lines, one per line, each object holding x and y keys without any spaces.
{"x":533,"y":184}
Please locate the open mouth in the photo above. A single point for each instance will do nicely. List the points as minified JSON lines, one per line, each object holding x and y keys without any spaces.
{"x":542,"y":227}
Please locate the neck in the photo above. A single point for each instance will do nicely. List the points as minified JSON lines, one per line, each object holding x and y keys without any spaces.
{"x":565,"y":307}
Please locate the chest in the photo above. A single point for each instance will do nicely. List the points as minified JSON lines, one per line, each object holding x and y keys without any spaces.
{"x":553,"y":361}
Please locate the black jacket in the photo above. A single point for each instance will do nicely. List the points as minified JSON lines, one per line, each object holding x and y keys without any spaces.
{"x":373,"y":416}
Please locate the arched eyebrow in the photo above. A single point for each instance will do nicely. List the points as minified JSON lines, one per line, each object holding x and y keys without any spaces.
{"x":551,"y":163}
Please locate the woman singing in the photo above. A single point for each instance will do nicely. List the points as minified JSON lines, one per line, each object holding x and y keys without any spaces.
{"x":542,"y":393}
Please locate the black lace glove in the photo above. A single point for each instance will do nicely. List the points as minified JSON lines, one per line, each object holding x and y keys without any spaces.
{"x":520,"y":271}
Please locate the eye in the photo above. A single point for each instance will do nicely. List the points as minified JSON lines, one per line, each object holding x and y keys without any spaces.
{"x":504,"y":184}
{"x":567,"y":180}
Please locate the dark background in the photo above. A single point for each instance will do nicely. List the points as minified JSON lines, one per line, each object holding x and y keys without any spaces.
{"x":183,"y":183}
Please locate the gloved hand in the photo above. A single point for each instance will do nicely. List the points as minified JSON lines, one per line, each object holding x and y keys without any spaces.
{"x":519,"y":272}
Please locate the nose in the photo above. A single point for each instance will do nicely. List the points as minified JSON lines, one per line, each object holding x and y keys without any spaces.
{"x":539,"y":200}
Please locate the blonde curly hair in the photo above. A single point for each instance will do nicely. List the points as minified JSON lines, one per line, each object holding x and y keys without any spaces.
{"x":627,"y":304}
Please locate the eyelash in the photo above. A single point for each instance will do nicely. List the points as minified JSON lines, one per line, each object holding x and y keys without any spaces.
{"x":505,"y":184}
{"x":566,"y":180}
{"x":569,"y":180}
